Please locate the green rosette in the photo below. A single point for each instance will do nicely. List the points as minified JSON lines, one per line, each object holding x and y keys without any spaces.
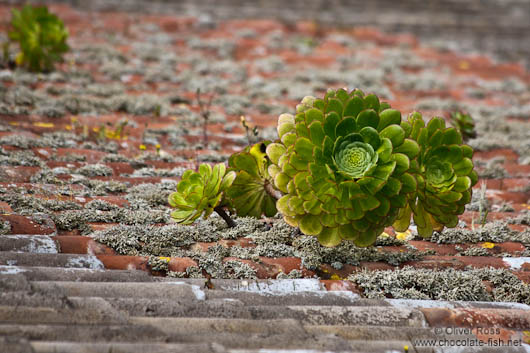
{"x":342,"y":163}
{"x":444,"y":174}
{"x":248,"y":194}
{"x":200,"y":192}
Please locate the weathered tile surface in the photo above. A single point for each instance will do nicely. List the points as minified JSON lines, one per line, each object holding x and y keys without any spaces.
{"x":84,"y":205}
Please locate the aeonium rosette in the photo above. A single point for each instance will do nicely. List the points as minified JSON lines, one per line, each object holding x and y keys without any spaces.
{"x":250,"y":193}
{"x":343,"y":164}
{"x":200,"y":193}
{"x":445,"y":177}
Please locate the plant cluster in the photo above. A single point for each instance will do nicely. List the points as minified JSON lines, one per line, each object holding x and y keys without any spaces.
{"x":41,"y":37}
{"x":344,"y":168}
{"x":465,"y":124}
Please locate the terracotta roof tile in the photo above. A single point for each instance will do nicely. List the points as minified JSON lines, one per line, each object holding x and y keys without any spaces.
{"x":87,"y":261}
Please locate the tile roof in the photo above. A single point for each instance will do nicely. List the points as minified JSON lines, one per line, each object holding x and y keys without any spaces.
{"x":71,"y":184}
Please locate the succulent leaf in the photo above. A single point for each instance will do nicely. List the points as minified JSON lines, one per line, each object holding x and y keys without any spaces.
{"x":248,"y":194}
{"x":200,"y":192}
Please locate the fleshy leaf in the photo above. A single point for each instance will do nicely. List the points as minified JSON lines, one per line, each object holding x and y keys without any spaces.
{"x":353,"y":107}
{"x":329,"y":237}
{"x":394,"y":133}
{"x":389,"y":117}
{"x":310,"y":224}
{"x":345,"y":127}
{"x":367,"y":118}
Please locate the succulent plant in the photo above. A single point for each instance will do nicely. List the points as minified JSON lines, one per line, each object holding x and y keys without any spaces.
{"x":464,"y":124}
{"x":200,"y":193}
{"x":343,"y":164}
{"x":41,"y":36}
{"x":344,"y":168}
{"x":251,"y":193}
{"x":444,"y":175}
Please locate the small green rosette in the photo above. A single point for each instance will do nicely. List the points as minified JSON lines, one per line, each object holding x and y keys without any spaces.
{"x":248,"y":194}
{"x":444,"y":175}
{"x":200,"y":192}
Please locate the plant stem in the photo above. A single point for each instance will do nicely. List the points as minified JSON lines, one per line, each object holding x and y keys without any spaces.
{"x":269,"y":189}
{"x":205,"y":113}
{"x":221,"y":212}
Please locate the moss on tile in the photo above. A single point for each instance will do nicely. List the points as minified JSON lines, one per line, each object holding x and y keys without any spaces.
{"x":495,"y":232}
{"x":313,"y":254}
{"x":448,"y":284}
{"x":413,"y":283}
{"x":46,"y":176}
{"x":212,"y":263}
{"x":70,"y":157}
{"x":101,"y":205}
{"x":491,"y":169}
{"x":522,"y":218}
{"x":79,"y":219}
{"x":19,"y":141}
{"x":115,"y":157}
{"x":5,"y":227}
{"x":507,"y":287}
{"x":291,"y":275}
{"x":150,"y":195}
{"x":22,"y":158}
{"x":154,"y":172}
{"x":475,"y":251}
{"x":148,"y":240}
{"x":191,"y":272}
{"x":158,"y":264}
{"x":102,"y":188}
{"x":92,"y":170}
{"x":26,"y":204}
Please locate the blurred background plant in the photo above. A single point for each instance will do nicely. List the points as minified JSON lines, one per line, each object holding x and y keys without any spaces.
{"x":41,"y":37}
{"x":464,"y":123}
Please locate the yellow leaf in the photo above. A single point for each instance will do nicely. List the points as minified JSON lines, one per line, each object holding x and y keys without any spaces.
{"x":143,"y":148}
{"x":41,"y":124}
{"x":68,"y":127}
{"x":164,"y":258}
{"x":463,"y":65}
{"x":111,"y":134}
{"x":19,"y":59}
{"x":404,"y":236}
{"x":335,"y":277}
{"x":488,"y":245}
{"x":526,"y":337}
{"x":14,"y":123}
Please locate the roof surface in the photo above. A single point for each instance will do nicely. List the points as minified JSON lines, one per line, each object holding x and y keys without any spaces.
{"x":89,"y":261}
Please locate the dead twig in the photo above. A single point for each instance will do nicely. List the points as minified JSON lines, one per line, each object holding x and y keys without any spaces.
{"x":205,"y":113}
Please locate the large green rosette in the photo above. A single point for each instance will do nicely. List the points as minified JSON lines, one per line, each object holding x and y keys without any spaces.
{"x":342,"y":163}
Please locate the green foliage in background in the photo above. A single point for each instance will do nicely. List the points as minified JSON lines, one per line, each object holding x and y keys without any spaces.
{"x":41,"y":37}
{"x":465,"y":125}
